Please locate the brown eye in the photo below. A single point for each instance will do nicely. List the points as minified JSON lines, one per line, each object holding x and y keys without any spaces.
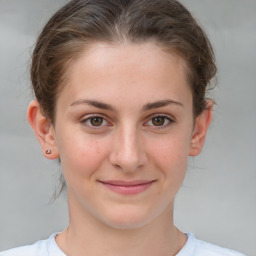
{"x":158,"y":121}
{"x":96,"y":121}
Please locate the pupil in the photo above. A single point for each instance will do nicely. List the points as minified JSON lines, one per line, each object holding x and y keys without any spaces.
{"x":158,"y":121}
{"x":96,"y":121}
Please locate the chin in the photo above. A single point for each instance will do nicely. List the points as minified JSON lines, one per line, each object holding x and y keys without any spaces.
{"x":131,"y":218}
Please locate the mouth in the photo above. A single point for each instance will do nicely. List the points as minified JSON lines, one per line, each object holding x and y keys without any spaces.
{"x":127,"y":187}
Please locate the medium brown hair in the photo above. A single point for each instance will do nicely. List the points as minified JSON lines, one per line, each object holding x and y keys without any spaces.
{"x":81,"y":22}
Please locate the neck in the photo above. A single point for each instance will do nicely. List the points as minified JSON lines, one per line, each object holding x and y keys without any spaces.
{"x":87,"y":235}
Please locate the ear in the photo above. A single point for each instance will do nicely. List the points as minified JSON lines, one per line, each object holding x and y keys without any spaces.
{"x":200,"y":130}
{"x":43,"y":130}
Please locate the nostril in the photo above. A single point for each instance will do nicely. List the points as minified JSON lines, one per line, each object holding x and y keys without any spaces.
{"x":130,"y":164}
{"x":117,"y":166}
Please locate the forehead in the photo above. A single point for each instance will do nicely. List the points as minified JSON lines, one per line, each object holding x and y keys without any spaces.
{"x":147,"y":55}
{"x":103,"y":70}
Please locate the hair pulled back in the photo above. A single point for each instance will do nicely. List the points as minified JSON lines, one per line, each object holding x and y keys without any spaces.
{"x":83,"y":22}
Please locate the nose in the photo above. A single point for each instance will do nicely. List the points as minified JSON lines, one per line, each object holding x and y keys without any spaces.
{"x":128,"y":152}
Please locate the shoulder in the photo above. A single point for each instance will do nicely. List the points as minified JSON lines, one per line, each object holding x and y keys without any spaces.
{"x":38,"y":248}
{"x":195,"y":247}
{"x":41,"y":248}
{"x":205,"y":248}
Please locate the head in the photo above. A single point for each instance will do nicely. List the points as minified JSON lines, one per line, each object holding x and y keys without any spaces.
{"x":125,"y":67}
{"x":80,"y":24}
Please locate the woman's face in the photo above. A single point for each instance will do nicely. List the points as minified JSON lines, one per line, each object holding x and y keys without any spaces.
{"x":123,"y":130}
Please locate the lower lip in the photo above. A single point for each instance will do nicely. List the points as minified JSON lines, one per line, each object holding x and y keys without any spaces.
{"x":128,"y":190}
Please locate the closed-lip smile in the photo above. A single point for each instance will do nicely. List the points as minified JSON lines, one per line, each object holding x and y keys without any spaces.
{"x":127,"y":187}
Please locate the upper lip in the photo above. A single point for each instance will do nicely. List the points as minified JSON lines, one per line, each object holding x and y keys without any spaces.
{"x":127,"y":183}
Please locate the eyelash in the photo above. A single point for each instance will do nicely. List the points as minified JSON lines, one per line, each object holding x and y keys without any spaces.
{"x":90,"y":118}
{"x":167,"y":122}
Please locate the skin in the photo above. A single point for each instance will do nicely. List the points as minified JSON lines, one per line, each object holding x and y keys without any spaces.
{"x":126,"y":86}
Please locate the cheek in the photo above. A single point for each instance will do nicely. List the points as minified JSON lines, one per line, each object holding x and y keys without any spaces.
{"x":81,"y":156}
{"x":170,"y":155}
{"x":172,"y":160}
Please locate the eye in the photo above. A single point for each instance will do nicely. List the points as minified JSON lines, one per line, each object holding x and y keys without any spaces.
{"x":94,"y":122}
{"x":159,"y":121}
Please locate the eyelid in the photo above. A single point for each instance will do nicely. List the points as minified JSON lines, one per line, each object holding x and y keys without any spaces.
{"x":86,"y":118}
{"x":167,"y":117}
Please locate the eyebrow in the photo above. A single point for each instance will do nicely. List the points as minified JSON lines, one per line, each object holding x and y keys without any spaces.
{"x":105,"y":106}
{"x":161,"y":103}
{"x":94,"y":103}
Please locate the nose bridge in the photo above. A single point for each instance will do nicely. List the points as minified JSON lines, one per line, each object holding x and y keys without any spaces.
{"x":129,"y":137}
{"x":128,"y":152}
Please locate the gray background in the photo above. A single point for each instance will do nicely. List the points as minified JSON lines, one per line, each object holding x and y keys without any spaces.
{"x":218,"y":199}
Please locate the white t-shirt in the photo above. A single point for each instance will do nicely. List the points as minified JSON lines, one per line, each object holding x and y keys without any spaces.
{"x":193,"y":247}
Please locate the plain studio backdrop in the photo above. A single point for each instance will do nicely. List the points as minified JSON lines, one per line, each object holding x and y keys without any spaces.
{"x":217,"y":201}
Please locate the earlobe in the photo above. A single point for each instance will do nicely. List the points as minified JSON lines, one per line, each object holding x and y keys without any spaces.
{"x":43,"y":130}
{"x":200,"y":130}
